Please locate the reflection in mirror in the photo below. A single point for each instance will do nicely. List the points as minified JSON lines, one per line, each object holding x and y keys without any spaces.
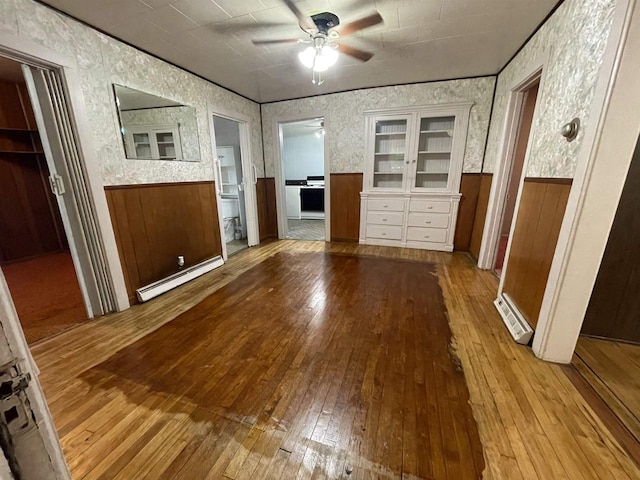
{"x":155,"y":128}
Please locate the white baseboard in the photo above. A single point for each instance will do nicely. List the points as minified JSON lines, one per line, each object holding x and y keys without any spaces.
{"x":161,"y":286}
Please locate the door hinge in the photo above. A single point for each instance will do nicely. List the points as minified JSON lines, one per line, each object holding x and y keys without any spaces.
{"x":57,"y":184}
{"x":15,"y":410}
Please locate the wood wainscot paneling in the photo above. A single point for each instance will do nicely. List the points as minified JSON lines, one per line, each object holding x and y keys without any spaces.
{"x":154,"y":223}
{"x":614,"y":308}
{"x":481,"y":214}
{"x":540,"y":214}
{"x":267,"y":210}
{"x":345,"y":191}
{"x":469,"y":188}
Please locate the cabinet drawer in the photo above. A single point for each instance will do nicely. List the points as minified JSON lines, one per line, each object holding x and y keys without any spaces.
{"x":418,"y":234}
{"x":389,"y":232}
{"x":391,"y":204}
{"x":429,"y":220}
{"x":429,"y":206}
{"x":385,"y":218}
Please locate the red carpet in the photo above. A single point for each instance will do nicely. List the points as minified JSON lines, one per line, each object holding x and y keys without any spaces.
{"x":46,"y":294}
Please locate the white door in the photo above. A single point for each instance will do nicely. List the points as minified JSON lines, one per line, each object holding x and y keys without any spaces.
{"x":30,"y":445}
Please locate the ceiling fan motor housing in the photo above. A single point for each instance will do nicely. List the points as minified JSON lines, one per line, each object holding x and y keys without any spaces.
{"x":325,"y":21}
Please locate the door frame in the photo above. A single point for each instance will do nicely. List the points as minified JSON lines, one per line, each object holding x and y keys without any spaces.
{"x":248,"y":171}
{"x":27,"y":52}
{"x":281,"y":204}
{"x":534,"y":72}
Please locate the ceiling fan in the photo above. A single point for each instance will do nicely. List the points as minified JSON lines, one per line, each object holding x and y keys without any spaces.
{"x":325,"y":35}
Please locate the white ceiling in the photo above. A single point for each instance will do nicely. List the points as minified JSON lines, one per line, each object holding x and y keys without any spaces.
{"x":420,"y":40}
{"x":132,"y":99}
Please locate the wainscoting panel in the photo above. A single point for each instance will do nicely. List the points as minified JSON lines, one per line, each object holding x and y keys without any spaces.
{"x":481,"y":214}
{"x":469,"y":188}
{"x":267,"y":210}
{"x":154,"y":223}
{"x":345,"y":206}
{"x":614,"y":309}
{"x":538,"y":223}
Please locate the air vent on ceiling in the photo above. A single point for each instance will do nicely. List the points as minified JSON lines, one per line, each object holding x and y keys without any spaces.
{"x":517,"y":326}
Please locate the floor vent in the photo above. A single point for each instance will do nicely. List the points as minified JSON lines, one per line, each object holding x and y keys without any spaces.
{"x":517,"y":326}
{"x":172,"y":281}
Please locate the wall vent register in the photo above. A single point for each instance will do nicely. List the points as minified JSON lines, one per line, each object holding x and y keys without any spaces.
{"x":412,"y":175}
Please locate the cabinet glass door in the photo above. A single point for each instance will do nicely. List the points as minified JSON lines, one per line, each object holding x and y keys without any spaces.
{"x":433,"y":162}
{"x":390,"y":153}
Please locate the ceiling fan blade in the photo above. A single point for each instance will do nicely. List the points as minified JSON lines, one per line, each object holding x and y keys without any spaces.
{"x":275,"y":41}
{"x":357,"y":25}
{"x":305,"y":21}
{"x":355,"y":52}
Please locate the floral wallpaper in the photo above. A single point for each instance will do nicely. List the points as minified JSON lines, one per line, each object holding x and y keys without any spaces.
{"x":184,"y":117}
{"x":343,"y":112}
{"x":574,"y":38}
{"x":103,"y":61}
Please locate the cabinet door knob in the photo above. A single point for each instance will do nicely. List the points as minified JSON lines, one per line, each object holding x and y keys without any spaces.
{"x":407,"y":162}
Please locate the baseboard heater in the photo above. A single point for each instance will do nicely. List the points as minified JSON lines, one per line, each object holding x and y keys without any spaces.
{"x":172,"y":281}
{"x":516,"y":324}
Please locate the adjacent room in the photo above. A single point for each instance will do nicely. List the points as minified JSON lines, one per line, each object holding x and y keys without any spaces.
{"x":34,"y":250}
{"x":302,"y":156}
{"x":320,"y":239}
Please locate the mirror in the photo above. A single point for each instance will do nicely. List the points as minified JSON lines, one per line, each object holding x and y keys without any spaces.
{"x":155,"y":128}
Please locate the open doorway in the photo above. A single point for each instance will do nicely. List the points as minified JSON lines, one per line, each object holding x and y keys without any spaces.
{"x":35,"y":256}
{"x":231,"y":178}
{"x":303,"y":168}
{"x":530,"y":96}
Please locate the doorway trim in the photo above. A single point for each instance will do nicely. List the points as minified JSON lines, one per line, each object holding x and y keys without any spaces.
{"x":278,"y":164}
{"x":533,"y":73}
{"x":27,"y":52}
{"x":248,"y":171}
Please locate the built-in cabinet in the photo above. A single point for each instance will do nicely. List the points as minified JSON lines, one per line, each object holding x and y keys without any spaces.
{"x":153,"y":141}
{"x":413,"y":167}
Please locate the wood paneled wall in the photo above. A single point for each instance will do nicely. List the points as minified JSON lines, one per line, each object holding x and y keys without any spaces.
{"x":155,"y":223}
{"x":542,"y":206}
{"x":345,"y":191}
{"x":614,"y":309}
{"x":480,"y":215}
{"x":469,"y":188}
{"x":30,"y":222}
{"x":267,"y":211}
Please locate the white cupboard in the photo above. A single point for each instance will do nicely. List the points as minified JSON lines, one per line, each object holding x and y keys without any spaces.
{"x":413,"y":167}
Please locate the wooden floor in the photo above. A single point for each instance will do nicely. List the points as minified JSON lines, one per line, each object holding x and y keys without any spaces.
{"x":613,"y":370}
{"x":46,"y":294}
{"x":119,"y":417}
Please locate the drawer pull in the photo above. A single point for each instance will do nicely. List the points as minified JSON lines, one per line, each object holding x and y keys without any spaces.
{"x":426,"y":236}
{"x":384,"y":234}
{"x":385,"y":206}
{"x":428,"y":221}
{"x":384,"y":219}
{"x":430,"y":207}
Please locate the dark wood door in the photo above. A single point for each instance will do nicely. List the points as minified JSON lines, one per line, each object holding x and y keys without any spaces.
{"x":614,"y":309}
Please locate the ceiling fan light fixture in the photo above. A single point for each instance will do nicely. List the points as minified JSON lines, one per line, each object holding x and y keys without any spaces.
{"x":307,"y":56}
{"x":318,"y":58}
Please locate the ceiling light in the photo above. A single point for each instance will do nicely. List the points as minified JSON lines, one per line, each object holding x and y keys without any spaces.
{"x":319,"y":57}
